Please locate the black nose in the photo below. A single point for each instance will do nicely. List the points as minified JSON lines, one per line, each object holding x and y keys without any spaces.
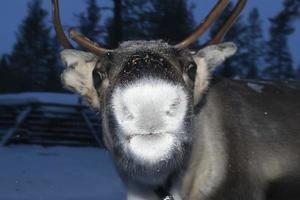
{"x":147,"y":64}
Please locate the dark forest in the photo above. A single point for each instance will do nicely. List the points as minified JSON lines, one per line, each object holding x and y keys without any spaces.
{"x":33,"y":64}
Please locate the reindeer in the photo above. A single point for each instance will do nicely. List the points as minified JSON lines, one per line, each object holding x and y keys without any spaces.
{"x":171,"y":136}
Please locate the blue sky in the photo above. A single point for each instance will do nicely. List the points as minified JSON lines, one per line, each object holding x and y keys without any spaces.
{"x":13,"y":11}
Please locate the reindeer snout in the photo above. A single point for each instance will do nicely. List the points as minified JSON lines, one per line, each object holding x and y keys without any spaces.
{"x":150,"y":119}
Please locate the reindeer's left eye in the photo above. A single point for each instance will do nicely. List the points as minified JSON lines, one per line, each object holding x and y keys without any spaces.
{"x":191,"y":71}
{"x":97,"y":78}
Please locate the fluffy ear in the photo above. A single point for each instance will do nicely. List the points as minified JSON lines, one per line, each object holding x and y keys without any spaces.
{"x":207,"y":59}
{"x":78,"y":75}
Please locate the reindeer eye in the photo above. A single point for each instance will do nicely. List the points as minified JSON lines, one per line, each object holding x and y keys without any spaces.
{"x":191,"y":71}
{"x":97,"y":78}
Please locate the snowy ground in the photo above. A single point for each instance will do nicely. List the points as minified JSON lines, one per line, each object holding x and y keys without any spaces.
{"x":57,"y":173}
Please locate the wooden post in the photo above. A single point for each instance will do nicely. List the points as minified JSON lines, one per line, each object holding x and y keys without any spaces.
{"x":19,"y":121}
{"x":91,"y":128}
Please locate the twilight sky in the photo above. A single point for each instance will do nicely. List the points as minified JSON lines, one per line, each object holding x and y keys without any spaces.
{"x":13,"y":11}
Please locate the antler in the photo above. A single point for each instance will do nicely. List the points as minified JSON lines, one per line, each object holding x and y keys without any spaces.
{"x":87,"y":43}
{"x":58,"y":27}
{"x":202,"y":28}
{"x":79,"y":39}
{"x":210,"y":19}
{"x":229,"y":22}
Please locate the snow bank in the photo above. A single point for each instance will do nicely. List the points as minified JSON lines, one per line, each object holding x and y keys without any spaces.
{"x":60,"y":173}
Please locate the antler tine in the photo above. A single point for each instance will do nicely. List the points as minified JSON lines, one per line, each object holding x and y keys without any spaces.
{"x":209,"y":20}
{"x":58,"y":27}
{"x":87,"y":43}
{"x":81,"y":40}
{"x":228,"y":23}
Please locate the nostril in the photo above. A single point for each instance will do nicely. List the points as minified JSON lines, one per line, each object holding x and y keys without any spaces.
{"x":170,"y":113}
{"x":127,"y":114}
{"x":173,"y":108}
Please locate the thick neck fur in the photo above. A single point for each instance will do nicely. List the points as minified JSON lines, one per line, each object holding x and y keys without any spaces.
{"x":207,"y":166}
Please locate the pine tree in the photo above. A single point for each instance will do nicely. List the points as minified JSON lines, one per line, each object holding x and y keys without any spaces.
{"x":5,"y":75}
{"x":34,"y":55}
{"x":255,"y":48}
{"x":114,"y":25}
{"x":279,"y":59}
{"x":136,"y":17}
{"x":170,"y":20}
{"x":4,"y":62}
{"x":232,"y":68}
{"x":150,"y":19}
{"x":129,"y":22}
{"x":89,"y":21}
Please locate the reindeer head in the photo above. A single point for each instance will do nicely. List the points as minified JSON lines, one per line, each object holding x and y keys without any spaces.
{"x":146,"y":91}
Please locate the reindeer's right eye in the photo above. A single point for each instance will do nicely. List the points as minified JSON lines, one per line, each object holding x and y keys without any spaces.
{"x":191,"y":71}
{"x":97,"y":78}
